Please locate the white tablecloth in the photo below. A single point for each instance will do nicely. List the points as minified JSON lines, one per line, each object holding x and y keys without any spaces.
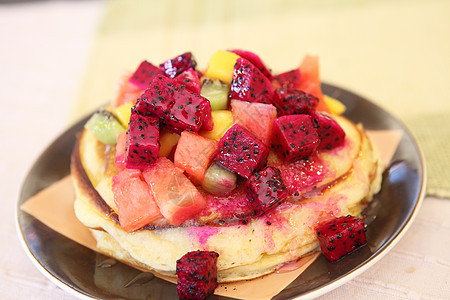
{"x":44,"y":47}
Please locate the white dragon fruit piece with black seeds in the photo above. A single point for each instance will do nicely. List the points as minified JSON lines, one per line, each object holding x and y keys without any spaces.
{"x":249,"y":84}
{"x":241,"y":152}
{"x":142,"y":141}
{"x":265,"y":189}
{"x":294,"y":137}
{"x":341,"y":236}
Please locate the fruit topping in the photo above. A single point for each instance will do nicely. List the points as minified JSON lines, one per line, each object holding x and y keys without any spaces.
{"x":216,"y":92}
{"x":178,"y":108}
{"x":254,"y":59}
{"x":241,"y":152}
{"x":126,"y":91}
{"x":249,"y":84}
{"x":105,"y":127}
{"x":221,"y":65}
{"x":256,"y":117}
{"x":123,"y":112}
{"x":197,"y":274}
{"x":142,"y":142}
{"x":136,"y":205}
{"x":331,"y":134}
{"x":310,"y":81}
{"x":179,"y":64}
{"x":189,"y":130}
{"x":177,"y":198}
{"x":189,"y":112}
{"x":194,"y":155}
{"x":190,"y":79}
{"x":144,"y":75}
{"x":167,"y":141}
{"x":223,"y":120}
{"x":294,"y":137}
{"x":289,"y":79}
{"x":121,"y":150}
{"x":157,"y":100}
{"x":341,"y":236}
{"x":335,"y":106}
{"x":265,"y":189}
{"x":219,"y":181}
{"x":290,"y":101}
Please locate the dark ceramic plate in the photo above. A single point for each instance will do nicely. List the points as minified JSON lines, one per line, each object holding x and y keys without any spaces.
{"x":87,"y":274}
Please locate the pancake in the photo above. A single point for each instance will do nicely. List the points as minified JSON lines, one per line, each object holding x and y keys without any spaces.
{"x":344,"y":181}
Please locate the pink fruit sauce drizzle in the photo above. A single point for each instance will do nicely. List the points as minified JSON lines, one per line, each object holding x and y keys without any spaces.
{"x":323,"y":211}
{"x":301,"y":177}
{"x":227,"y":207}
{"x":202,"y":233}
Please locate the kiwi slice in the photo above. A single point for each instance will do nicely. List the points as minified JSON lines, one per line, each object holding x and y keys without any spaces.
{"x":216,"y":92}
{"x":104,"y":125}
{"x":219,"y":181}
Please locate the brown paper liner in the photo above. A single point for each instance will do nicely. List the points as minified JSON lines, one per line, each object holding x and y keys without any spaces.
{"x":62,"y":219}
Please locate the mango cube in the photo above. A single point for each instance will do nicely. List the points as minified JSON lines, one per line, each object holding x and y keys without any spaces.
{"x":335,"y":106}
{"x":223,"y":120}
{"x":167,"y":141}
{"x":123,"y":113}
{"x":221,"y":66}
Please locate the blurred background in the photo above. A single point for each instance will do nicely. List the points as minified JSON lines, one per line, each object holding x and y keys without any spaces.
{"x":60,"y":60}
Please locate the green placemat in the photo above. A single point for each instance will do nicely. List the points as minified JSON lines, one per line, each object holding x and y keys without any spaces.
{"x":395,"y":53}
{"x":432,"y":132}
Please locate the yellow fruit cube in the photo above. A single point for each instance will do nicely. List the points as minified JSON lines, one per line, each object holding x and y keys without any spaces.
{"x":221,"y":66}
{"x":335,"y":106}
{"x":167,"y":141}
{"x":123,"y":113}
{"x":223,"y":120}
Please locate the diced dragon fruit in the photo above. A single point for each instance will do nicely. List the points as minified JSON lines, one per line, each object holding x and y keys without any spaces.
{"x":241,"y":152}
{"x":294,"y":137}
{"x":249,"y":84}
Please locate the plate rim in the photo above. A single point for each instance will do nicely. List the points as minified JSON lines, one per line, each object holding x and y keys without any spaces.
{"x":316,"y":292}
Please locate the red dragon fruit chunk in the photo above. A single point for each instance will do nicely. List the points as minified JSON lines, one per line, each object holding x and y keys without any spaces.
{"x":241,"y":152}
{"x":197,"y":274}
{"x":144,"y":75}
{"x":178,"y":64}
{"x":178,"y":108}
{"x":190,"y":79}
{"x":254,"y":59}
{"x":249,"y":84}
{"x":190,"y":111}
{"x":331,"y":134}
{"x":294,"y":137}
{"x":289,"y":79}
{"x":142,"y":146}
{"x":157,"y":100}
{"x":265,"y":189}
{"x":341,"y":236}
{"x":290,"y":101}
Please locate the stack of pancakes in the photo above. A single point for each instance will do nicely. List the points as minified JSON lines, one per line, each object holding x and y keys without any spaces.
{"x":247,"y":249}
